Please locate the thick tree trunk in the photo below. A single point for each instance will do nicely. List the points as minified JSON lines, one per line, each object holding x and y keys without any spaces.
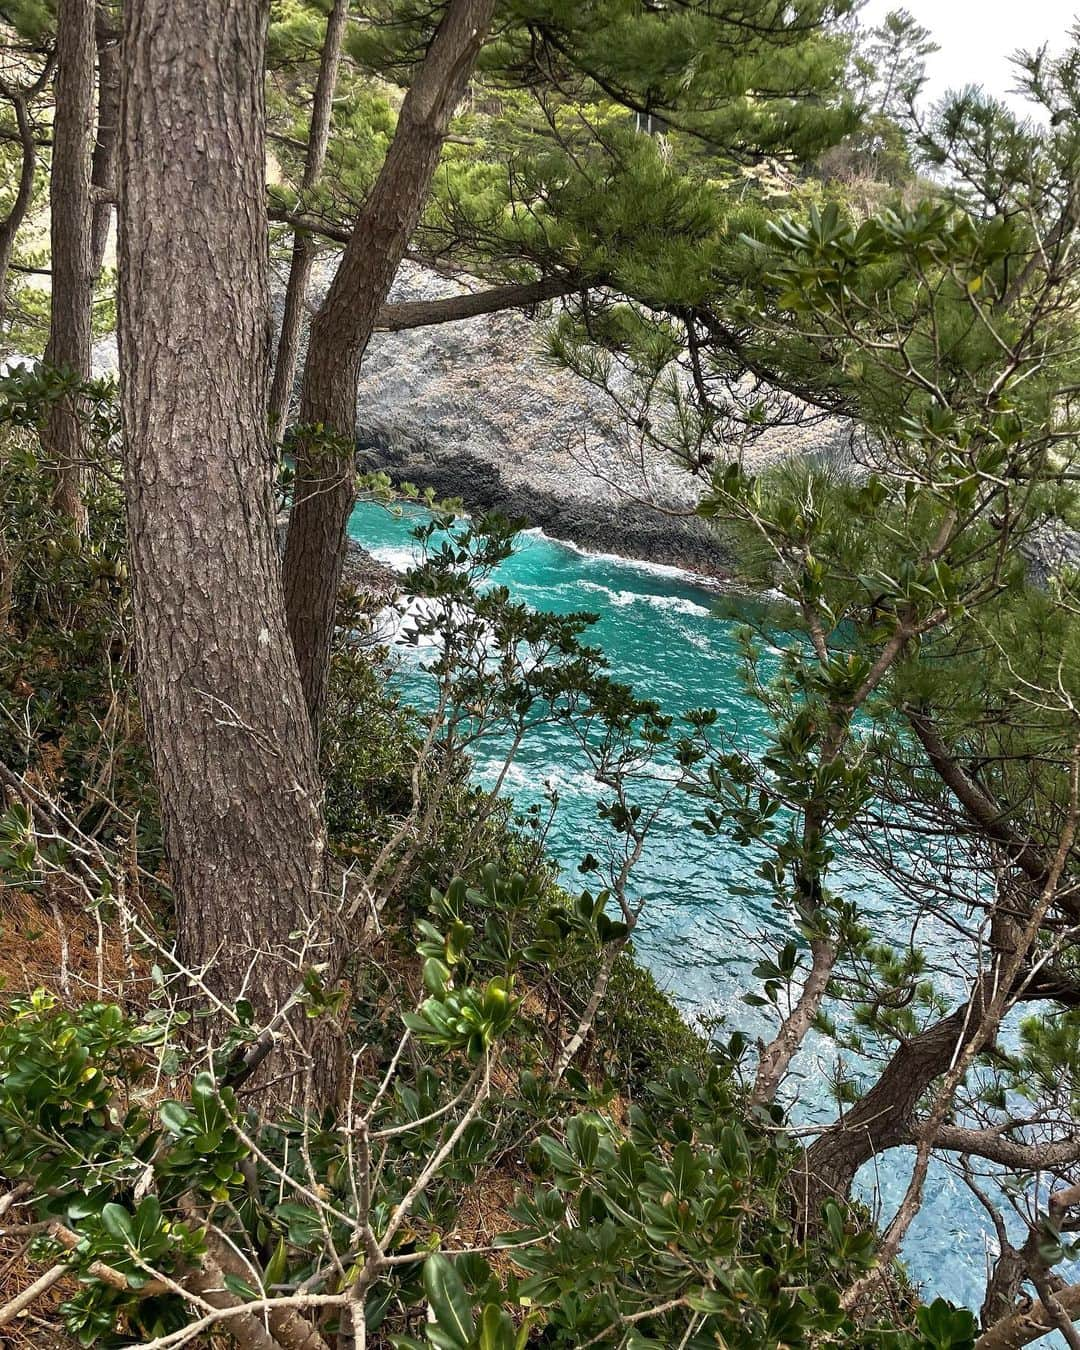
{"x":325,"y":465}
{"x":1031,"y":1323}
{"x":103,"y":166}
{"x":63,"y":437}
{"x":225,"y":715}
{"x":303,"y":253}
{"x":884,"y":1117}
{"x":881,"y":1119}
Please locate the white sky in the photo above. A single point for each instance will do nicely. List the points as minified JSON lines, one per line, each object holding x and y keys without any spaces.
{"x":977,"y":37}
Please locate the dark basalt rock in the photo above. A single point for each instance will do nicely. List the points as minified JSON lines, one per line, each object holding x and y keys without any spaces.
{"x":626,"y":528}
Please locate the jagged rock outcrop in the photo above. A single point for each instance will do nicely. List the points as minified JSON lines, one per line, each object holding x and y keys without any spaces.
{"x":475,"y":409}
{"x":1052,"y":549}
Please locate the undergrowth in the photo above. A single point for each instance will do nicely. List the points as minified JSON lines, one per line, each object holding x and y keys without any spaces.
{"x":472,"y":1193}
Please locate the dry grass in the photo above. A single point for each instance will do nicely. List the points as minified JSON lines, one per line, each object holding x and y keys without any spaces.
{"x":48,"y":940}
{"x":38,"y":1327}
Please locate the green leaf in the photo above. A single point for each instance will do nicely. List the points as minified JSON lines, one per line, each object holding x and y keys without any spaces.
{"x":277,"y":1265}
{"x":449,"y":1301}
{"x":945,"y":1327}
{"x":436,"y":975}
{"x":584,"y":1141}
{"x":497,"y":1331}
{"x":116,"y":1221}
{"x":240,"y":1287}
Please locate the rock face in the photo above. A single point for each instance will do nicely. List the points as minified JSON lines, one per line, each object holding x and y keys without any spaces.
{"x":475,"y":410}
{"x":1051,"y":550}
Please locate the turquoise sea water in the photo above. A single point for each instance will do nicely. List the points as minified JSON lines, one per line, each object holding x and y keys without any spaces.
{"x":661,"y":634}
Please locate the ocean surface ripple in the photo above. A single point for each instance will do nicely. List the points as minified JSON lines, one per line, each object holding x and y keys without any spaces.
{"x":661,"y":634}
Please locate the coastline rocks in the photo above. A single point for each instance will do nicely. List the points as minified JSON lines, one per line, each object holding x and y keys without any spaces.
{"x":362,"y":572}
{"x":593,"y":522}
{"x":476,"y":409}
{"x":1050,"y":550}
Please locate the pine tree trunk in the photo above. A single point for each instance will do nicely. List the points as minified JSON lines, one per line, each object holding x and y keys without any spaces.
{"x":325,"y":468}
{"x":882,"y":1118}
{"x":228,"y":728}
{"x":63,"y":437}
{"x":103,"y":165}
{"x":303,"y":252}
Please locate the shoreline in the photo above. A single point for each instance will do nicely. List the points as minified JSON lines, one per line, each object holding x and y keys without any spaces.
{"x":366,"y":571}
{"x":621,"y":528}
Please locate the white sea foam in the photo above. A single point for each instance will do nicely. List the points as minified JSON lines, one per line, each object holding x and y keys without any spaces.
{"x":401,"y":558}
{"x":677,"y":604}
{"x":566,"y":782}
{"x":620,"y":599}
{"x":398,"y":556}
{"x":396,"y":624}
{"x":618,"y":560}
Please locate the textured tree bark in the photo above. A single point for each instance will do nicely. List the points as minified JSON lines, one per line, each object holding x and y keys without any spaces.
{"x":303,"y":252}
{"x":1030,"y":1324}
{"x":454,"y":308}
{"x":882,"y":1118}
{"x":225,"y":716}
{"x":63,"y":437}
{"x":325,"y":466}
{"x":103,"y":164}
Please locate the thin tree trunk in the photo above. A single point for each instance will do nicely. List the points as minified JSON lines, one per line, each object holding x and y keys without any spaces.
{"x":103,"y":167}
{"x":63,"y":436}
{"x":454,"y":308}
{"x":21,"y":99}
{"x":303,"y":252}
{"x":325,"y":461}
{"x":225,"y":716}
{"x":782,"y":1049}
{"x":588,"y":1016}
{"x":9,"y":227}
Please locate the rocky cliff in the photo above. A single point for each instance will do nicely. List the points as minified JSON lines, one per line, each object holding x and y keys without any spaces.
{"x":476,"y":410}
